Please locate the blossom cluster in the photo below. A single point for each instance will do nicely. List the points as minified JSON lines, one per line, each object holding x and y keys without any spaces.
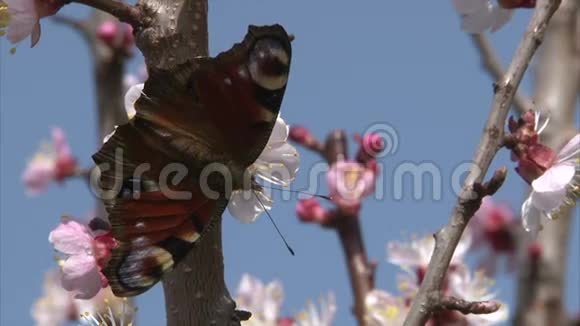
{"x":265,"y":302}
{"x":385,"y":309}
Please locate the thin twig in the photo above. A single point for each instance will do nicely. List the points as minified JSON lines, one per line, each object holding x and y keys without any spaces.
{"x":491,"y":140}
{"x":491,"y":63}
{"x":467,"y":307}
{"x":361,"y":271}
{"x":123,"y":11}
{"x":77,"y":25}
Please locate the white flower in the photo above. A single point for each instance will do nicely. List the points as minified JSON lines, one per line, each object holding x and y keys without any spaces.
{"x":263,"y":301}
{"x":464,"y":285}
{"x":58,"y":306}
{"x":481,"y":15}
{"x":551,"y":189}
{"x":417,"y":253}
{"x":131,"y":98}
{"x":55,"y":306}
{"x":277,"y":164}
{"x":383,"y":309}
{"x":314,"y":317}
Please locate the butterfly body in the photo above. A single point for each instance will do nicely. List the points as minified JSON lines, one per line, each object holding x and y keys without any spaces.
{"x":169,"y":172}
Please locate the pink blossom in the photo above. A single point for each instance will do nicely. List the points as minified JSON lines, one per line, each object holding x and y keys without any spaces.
{"x":492,"y":227}
{"x":348,"y":183}
{"x":87,"y":253}
{"x":53,"y":162}
{"x":553,"y":177}
{"x":25,"y":15}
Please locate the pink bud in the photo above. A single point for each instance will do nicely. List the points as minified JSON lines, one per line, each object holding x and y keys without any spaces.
{"x":373,"y":143}
{"x":107,"y":32}
{"x":300,"y":134}
{"x":286,"y":321}
{"x":310,"y":211}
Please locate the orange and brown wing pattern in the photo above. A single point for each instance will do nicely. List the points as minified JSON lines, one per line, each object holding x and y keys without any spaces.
{"x":211,"y":110}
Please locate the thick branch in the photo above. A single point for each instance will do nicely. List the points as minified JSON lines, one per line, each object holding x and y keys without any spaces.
{"x":448,"y":237}
{"x":492,"y":65}
{"x":195,"y":291}
{"x":541,"y":294}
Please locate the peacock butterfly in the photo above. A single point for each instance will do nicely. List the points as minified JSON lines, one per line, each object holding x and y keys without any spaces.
{"x":210,"y":110}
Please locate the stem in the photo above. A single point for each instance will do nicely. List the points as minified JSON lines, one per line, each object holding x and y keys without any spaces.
{"x":361,"y":272}
{"x":124,"y":12}
{"x":491,"y":139}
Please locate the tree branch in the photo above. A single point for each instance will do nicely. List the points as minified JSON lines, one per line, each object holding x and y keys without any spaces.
{"x":361,"y":271}
{"x":492,"y":65}
{"x":195,"y":291}
{"x":541,"y":295}
{"x":123,"y":11}
{"x":448,"y":237}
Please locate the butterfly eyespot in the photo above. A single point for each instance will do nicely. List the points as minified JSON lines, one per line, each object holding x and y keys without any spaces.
{"x":268,"y":64}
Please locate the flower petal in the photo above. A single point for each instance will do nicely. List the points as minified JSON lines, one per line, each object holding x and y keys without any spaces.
{"x":279,"y":132}
{"x":273,"y":297}
{"x":570,"y":151}
{"x":469,"y":6}
{"x":131,"y":98}
{"x":245,"y":206}
{"x":550,"y":187}
{"x":23,"y":20}
{"x":500,"y":17}
{"x":71,"y":238}
{"x":278,"y":165}
{"x":78,"y":265}
{"x":531,"y":217}
{"x":84,"y":285}
{"x":478,"y":21}
{"x":403,"y":255}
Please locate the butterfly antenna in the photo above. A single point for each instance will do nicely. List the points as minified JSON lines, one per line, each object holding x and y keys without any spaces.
{"x":302,"y":192}
{"x":274,"y":223}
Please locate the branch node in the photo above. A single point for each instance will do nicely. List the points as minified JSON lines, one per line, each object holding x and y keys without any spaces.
{"x":466,"y":307}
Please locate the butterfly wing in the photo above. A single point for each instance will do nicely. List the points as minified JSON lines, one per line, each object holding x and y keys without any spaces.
{"x":218,"y":110}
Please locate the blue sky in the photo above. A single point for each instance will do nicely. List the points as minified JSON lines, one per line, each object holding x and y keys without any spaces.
{"x":354,"y":64}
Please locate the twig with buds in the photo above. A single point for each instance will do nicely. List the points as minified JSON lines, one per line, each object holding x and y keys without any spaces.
{"x":123,"y":11}
{"x":361,"y":270}
{"x":447,"y":238}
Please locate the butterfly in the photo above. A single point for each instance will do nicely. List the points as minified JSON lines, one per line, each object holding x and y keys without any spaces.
{"x":209,"y":114}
